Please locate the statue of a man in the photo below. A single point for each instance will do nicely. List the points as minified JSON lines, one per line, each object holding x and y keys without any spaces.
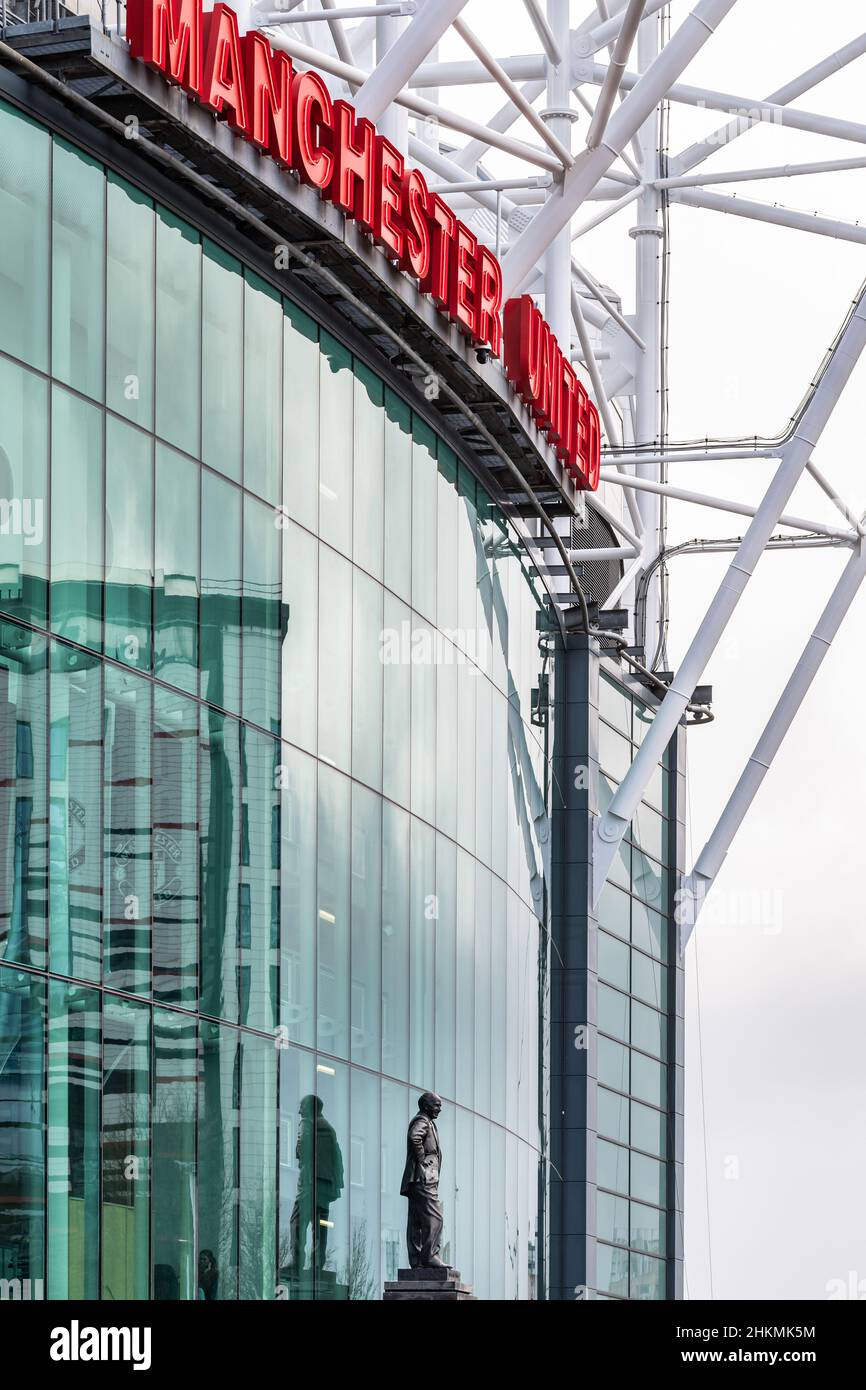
{"x":421,"y":1185}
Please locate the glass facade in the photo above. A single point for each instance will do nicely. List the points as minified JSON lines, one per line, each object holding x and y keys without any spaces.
{"x":635,"y":1004}
{"x":273,"y":810}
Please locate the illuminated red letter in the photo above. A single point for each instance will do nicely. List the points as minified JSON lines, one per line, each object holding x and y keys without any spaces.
{"x":222,"y":84}
{"x":166,"y":34}
{"x":388,"y":228}
{"x":351,"y":185}
{"x":594,"y":449}
{"x":413,"y":208}
{"x":268,"y":82}
{"x":488,"y":326}
{"x":523,"y":342}
{"x":441,"y":224}
{"x":463,"y":279}
{"x":313,"y":113}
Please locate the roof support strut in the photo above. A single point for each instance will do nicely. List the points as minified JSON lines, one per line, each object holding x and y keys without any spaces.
{"x":610,"y":828}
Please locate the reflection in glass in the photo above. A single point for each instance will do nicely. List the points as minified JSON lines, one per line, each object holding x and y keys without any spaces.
{"x":74,"y":1086}
{"x":125,"y":1146}
{"x":22,"y":1144}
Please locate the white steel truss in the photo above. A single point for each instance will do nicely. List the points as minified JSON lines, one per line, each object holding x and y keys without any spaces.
{"x":586,"y":100}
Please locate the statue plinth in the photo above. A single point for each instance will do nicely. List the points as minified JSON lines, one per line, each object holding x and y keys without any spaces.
{"x":437,"y":1282}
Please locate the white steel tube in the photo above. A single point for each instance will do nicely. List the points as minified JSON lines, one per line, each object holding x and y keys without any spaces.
{"x":445,"y":167}
{"x":722,"y":455}
{"x":523,"y":67}
{"x":712,"y":856}
{"x":453,"y":119}
{"x":401,"y":60}
{"x":612,"y":825}
{"x":544,"y":31}
{"x":766,"y":212}
{"x":604,"y":34}
{"x":598,"y":293}
{"x":647,"y":242}
{"x":618,"y":59}
{"x":607,"y":212}
{"x":751,"y":109}
{"x":513,"y":91}
{"x":501,"y":121}
{"x":627,"y":578}
{"x":721,"y":504}
{"x":827,"y":487}
{"x":610,"y":428}
{"x":625,"y":121}
{"x":394,"y":121}
{"x":771,"y":171}
{"x":834,"y":62}
{"x":557,"y":260}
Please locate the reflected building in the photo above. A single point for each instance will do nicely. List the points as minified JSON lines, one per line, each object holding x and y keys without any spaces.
{"x":289,"y":823}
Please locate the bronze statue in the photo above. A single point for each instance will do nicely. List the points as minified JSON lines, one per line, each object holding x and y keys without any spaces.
{"x":421,"y":1185}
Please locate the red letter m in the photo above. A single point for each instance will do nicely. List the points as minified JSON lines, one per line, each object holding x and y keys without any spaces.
{"x":166,"y":34}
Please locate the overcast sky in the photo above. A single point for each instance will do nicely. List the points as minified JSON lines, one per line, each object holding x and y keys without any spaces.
{"x":776,"y":1049}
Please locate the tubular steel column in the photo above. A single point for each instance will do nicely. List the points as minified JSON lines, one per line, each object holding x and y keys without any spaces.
{"x":394,"y":121}
{"x":557,"y":260}
{"x":647,"y":237}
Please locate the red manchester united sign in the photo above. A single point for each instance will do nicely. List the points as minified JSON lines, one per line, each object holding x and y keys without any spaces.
{"x":292,"y":117}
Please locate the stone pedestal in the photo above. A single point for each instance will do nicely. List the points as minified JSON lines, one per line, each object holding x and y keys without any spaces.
{"x":439,"y":1282}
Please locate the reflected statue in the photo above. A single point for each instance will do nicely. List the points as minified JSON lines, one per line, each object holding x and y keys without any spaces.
{"x":208,"y":1276}
{"x":421,"y":1185}
{"x":320,"y":1182}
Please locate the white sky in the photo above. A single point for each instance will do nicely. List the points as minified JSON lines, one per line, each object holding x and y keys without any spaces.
{"x":776,"y":1120}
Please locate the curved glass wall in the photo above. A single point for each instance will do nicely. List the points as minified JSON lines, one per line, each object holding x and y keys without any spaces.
{"x":273,"y":811}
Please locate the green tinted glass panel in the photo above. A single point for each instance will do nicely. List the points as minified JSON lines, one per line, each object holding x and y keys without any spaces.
{"x":176,"y":569}
{"x":647,"y":1278}
{"x":75,"y":843}
{"x":611,"y":1166}
{"x":647,"y":1179}
{"x":221,"y":585}
{"x":648,"y":1129}
{"x":22,"y":1145}
{"x":130,"y":303}
{"x":612,"y":1115}
{"x":335,"y":444}
{"x":74,"y":1087}
{"x":366,"y":917}
{"x":612,"y":960}
{"x":125,"y":1149}
{"x":648,"y":1030}
{"x":24,"y":799}
{"x":257,"y":1202}
{"x":25,"y":154}
{"x":175,"y":848}
{"x":127,"y":792}
{"x":78,"y":270}
{"x":218,"y":1162}
{"x":262,"y":616}
{"x":613,"y":1064}
{"x":647,"y":1227}
{"x":369,"y":470}
{"x":612,"y":1218}
{"x":333,"y":912}
{"x":76,"y":519}
{"x":220,"y":816}
{"x":300,"y":417}
{"x":263,"y":376}
{"x":259,"y":880}
{"x":173,"y":1137}
{"x":298,"y":894}
{"x":24,"y":490}
{"x":613,"y":1013}
{"x":178,"y":333}
{"x":128,"y":544}
{"x":222,"y":361}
